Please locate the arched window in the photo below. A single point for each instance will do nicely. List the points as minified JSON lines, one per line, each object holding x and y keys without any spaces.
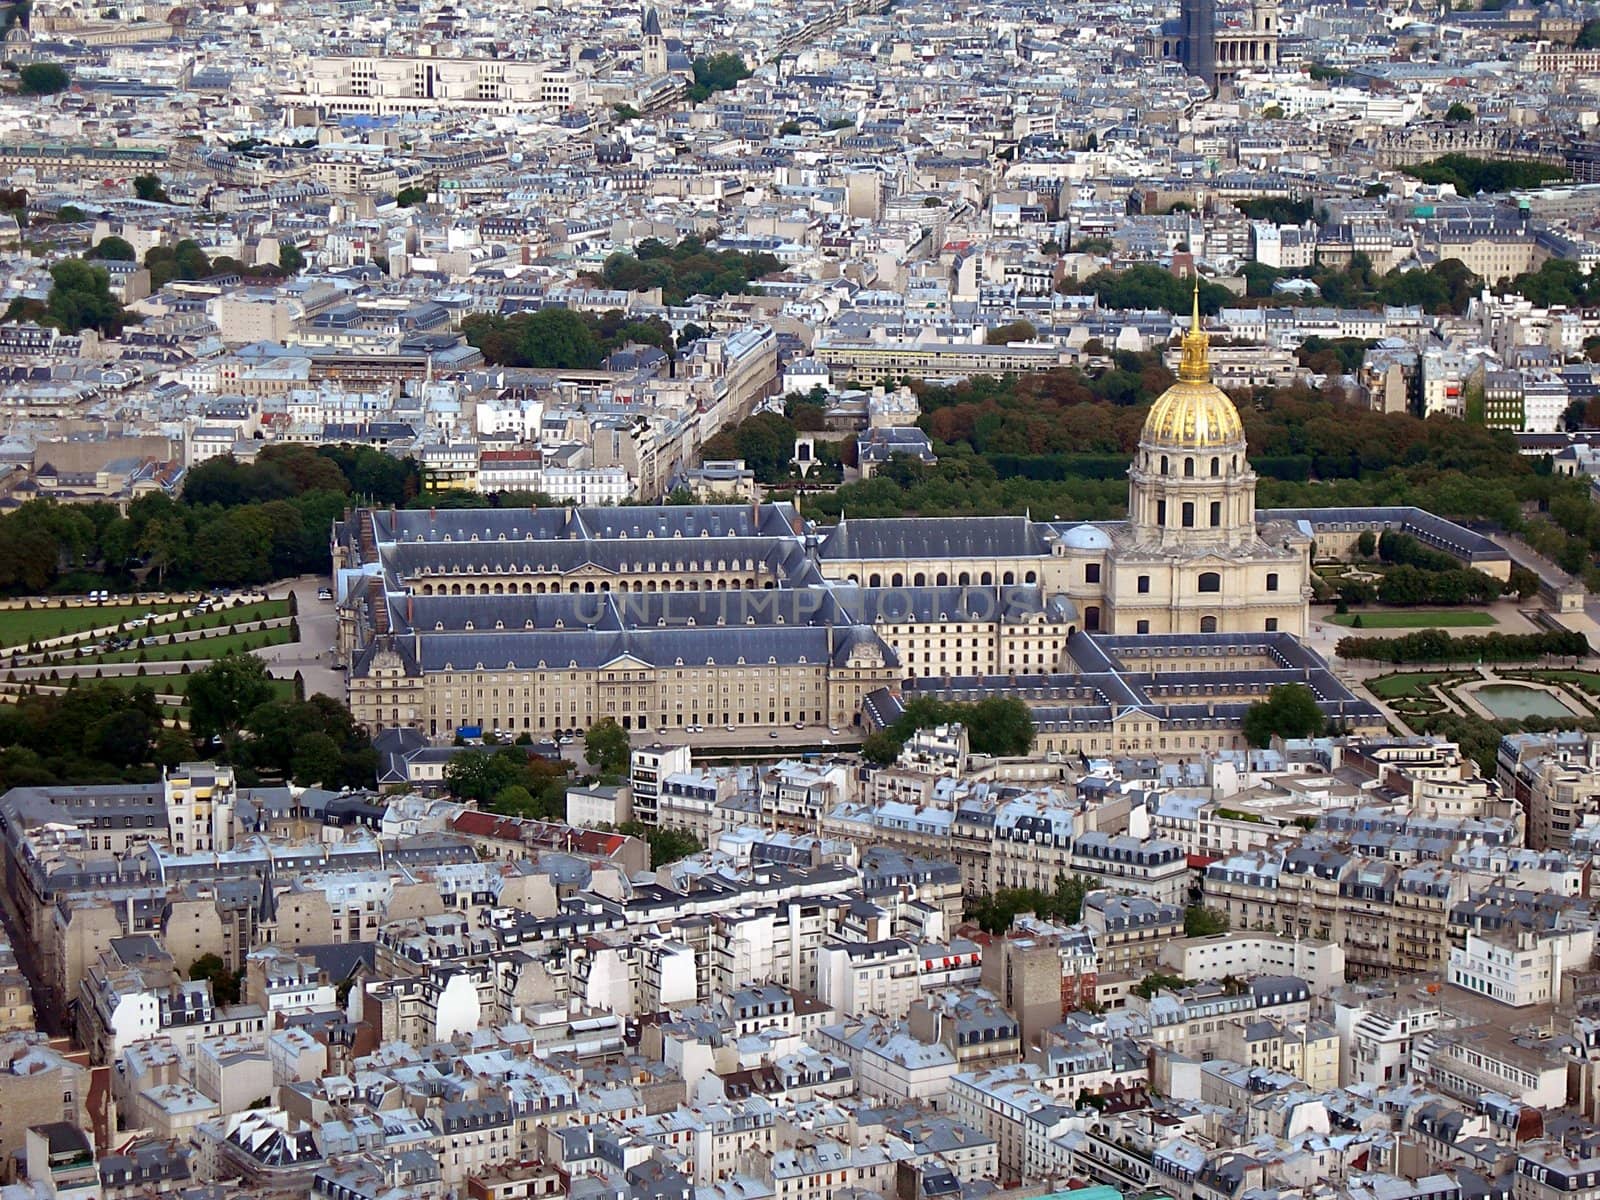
{"x":1216,"y":467}
{"x":1210,"y":581}
{"x":1208,"y":624}
{"x":1164,"y":464}
{"x":1188,"y":468}
{"x":1091,"y":618}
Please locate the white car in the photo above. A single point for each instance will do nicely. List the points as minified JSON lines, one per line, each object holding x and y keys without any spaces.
{"x":324,"y":593}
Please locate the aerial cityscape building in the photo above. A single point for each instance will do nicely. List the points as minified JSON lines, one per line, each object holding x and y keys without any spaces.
{"x":792,"y":601}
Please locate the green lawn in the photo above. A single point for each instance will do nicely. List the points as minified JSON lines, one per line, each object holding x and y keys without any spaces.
{"x":1419,"y":618}
{"x":19,"y":626}
{"x":1392,"y":687}
{"x":245,"y":614}
{"x":195,"y":648}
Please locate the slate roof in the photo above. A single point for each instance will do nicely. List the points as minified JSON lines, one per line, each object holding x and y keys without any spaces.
{"x":948,"y":537}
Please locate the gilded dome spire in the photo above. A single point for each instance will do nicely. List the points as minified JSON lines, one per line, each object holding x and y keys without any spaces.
{"x":1194,"y":413}
{"x":1195,"y":366}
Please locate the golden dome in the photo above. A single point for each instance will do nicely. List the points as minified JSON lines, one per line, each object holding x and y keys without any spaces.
{"x":1194,"y":413}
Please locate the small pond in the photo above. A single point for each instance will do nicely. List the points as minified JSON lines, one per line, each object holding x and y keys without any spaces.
{"x":1513,"y":701}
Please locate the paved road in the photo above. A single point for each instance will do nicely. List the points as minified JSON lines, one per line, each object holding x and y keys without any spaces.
{"x":311,"y":655}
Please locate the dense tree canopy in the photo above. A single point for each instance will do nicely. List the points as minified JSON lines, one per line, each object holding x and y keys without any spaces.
{"x":232,"y":524}
{"x":998,"y":726}
{"x":995,"y":913}
{"x":1437,"y":646}
{"x":80,"y":298}
{"x":1289,"y":711}
{"x":43,"y":79}
{"x":716,"y":73}
{"x":685,"y":269}
{"x":562,"y":338}
{"x":509,"y":780}
{"x":1148,"y":286}
{"x":1473,"y":175}
{"x":114,"y":249}
{"x":606,"y":747}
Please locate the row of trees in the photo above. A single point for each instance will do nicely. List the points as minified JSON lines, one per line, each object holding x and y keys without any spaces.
{"x":997,"y":726}
{"x":1437,"y":646}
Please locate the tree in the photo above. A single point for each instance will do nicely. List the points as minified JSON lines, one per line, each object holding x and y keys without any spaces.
{"x":514,"y":801}
{"x":123,"y":737}
{"x":549,"y":338}
{"x":606,"y":747}
{"x":114,"y":249}
{"x":80,"y":298}
{"x":43,"y":79}
{"x":716,"y":73}
{"x":290,"y":258}
{"x":148,"y":187}
{"x":1272,"y":112}
{"x":225,"y":984}
{"x":1289,"y":711}
{"x":409,"y":196}
{"x":1199,"y":921}
{"x":1013,"y":331}
{"x":1459,"y":114}
{"x":789,"y":129}
{"x":1155,"y":982}
{"x":996,"y":912}
{"x":1366,"y":544}
{"x":318,"y":761}
{"x":224,"y":693}
{"x":671,"y":845}
{"x":479,"y":774}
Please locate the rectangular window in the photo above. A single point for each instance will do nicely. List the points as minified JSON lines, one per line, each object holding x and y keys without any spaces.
{"x":1144,"y":585}
{"x":1144,"y":626}
{"x":1272,"y":581}
{"x":1091,"y":573}
{"x":1216,"y":514}
{"x":1188,"y":514}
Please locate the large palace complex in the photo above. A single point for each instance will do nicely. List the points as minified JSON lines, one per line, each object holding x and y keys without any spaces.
{"x":1153,"y":633}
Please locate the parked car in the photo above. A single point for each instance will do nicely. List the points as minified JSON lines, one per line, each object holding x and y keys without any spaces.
{"x":324,"y":593}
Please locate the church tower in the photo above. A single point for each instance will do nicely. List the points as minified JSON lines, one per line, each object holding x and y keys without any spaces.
{"x":653,"y":44}
{"x":1190,"y":485}
{"x":1199,"y":33}
{"x":1192,"y":557}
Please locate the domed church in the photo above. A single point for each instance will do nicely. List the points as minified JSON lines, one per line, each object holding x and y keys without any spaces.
{"x":1191,"y":557}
